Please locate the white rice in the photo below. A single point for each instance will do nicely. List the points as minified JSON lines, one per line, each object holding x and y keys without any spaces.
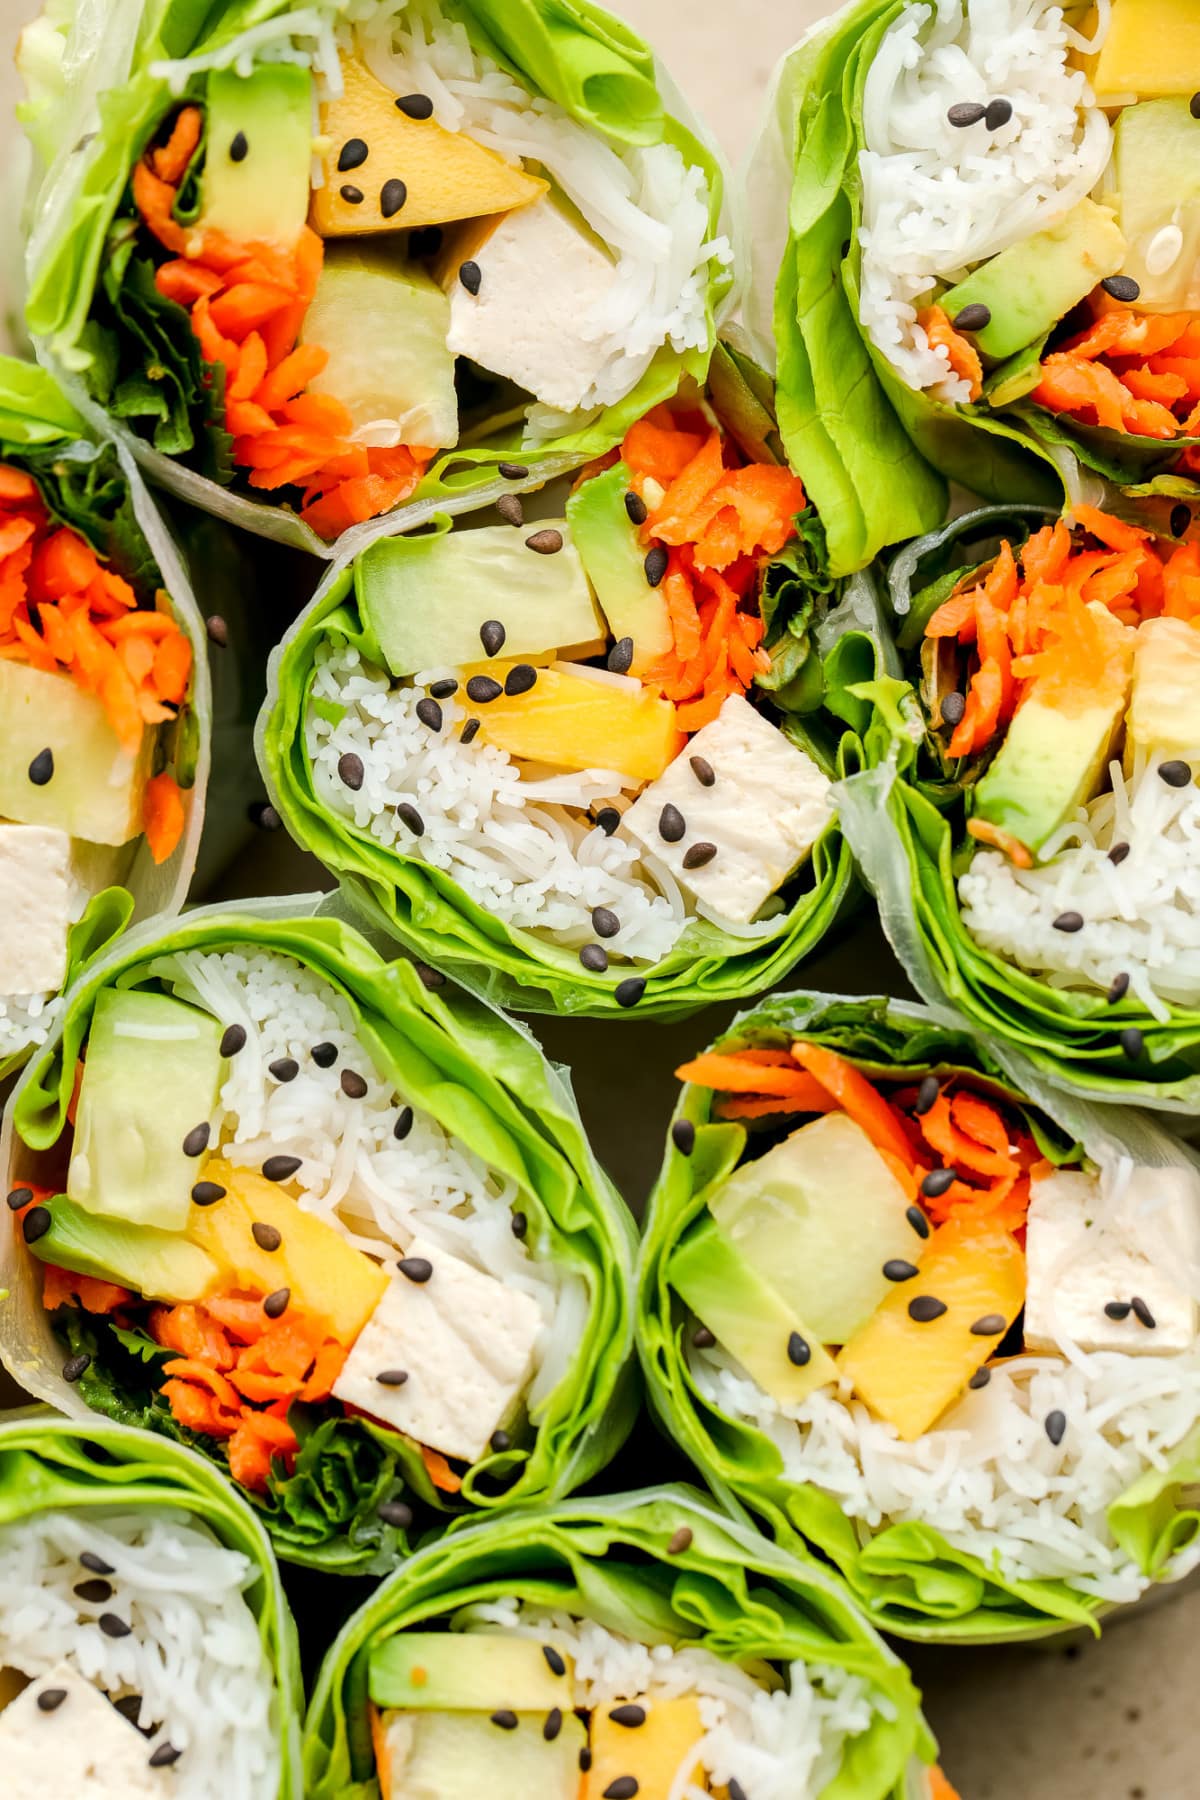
{"x":26,"y":1020}
{"x":646,"y":204}
{"x":939,"y":199}
{"x":519,"y":845}
{"x":1141,"y":916}
{"x":195,"y":1653}
{"x":781,"y":1743}
{"x":377,"y":1191}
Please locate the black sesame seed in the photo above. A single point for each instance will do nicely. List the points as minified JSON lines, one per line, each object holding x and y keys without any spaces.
{"x":238,"y":147}
{"x":1056,"y":1426}
{"x":630,"y":991}
{"x":896,"y":1269}
{"x":76,"y":1366}
{"x":1132,"y":1043}
{"x":41,"y":769}
{"x":281,"y":1168}
{"x":1194,"y":106}
{"x":19,"y":1197}
{"x":483,"y":690}
{"x":130,"y":1707}
{"x":505,"y":1719}
{"x":324,"y":1055}
{"x":512,"y":471}
{"x":93,"y":1593}
{"x":354,"y":153}
{"x":554,"y":1660}
{"x":429,"y":978}
{"x":353,"y":1085}
{"x":1118,"y":1309}
{"x":608,"y":818}
{"x":799,"y":1350}
{"x":392,"y":1377}
{"x":938,"y":1182}
{"x":267,"y":1237}
{"x":980,"y":1378}
{"x":671,"y":824}
{"x":1117,"y":854}
{"x":553,"y":1724}
{"x":196,"y":1141}
{"x":415,"y":106}
{"x":918,"y":1221}
{"x":655,"y":564}
{"x":998,"y":113}
{"x":353,"y":196}
{"x":112,"y":1626}
{"x":683,"y":1136}
{"x":520,"y":678}
{"x":703,"y":771}
{"x":471,"y":276}
{"x":207,"y":1193}
{"x":620,"y":657}
{"x":276,"y":1304}
{"x":164,"y":1756}
{"x":217,"y":631}
{"x":698,"y":856}
{"x":520,"y":1225}
{"x":1119,"y":988}
{"x":635,"y":506}
{"x":990,"y":1325}
{"x":491,"y":635}
{"x":734,"y":1789}
{"x":623,"y":1788}
{"x":442,"y":690}
{"x":1069,"y":921}
{"x":605,"y":922}
{"x":430,"y":713}
{"x":679,"y":1540}
{"x":233,"y":1039}
{"x":96,"y":1564}
{"x":585,"y":1759}
{"x":703,"y":1338}
{"x":1181,"y":519}
{"x":284,"y":1068}
{"x":953,"y":707}
{"x":1176,"y":773}
{"x":408,"y":815}
{"x":925,"y":1308}
{"x":392,"y":196}
{"x":511,"y":511}
{"x":927,"y":1095}
{"x":547,"y":542}
{"x":50,"y":1699}
{"x":966,"y":112}
{"x":396,"y":1513}
{"x":263,"y":815}
{"x":350,"y":771}
{"x":404,"y":1124}
{"x":629,"y":1714}
{"x":36,"y":1224}
{"x":1142,"y":1313}
{"x":972,"y":317}
{"x":594,"y":957}
{"x":500,"y":1442}
{"x":1122,"y":287}
{"x":416,"y":1268}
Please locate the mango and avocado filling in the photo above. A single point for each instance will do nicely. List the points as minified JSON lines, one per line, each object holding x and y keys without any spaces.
{"x":351,"y":250}
{"x":254,"y":1234}
{"x":895,"y":1283}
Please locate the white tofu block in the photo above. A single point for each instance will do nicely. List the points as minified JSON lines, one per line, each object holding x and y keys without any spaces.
{"x":466,"y":1342}
{"x":36,"y":895}
{"x":1080,"y":1260}
{"x":541,"y":275}
{"x":82,"y":1747}
{"x":765,"y":811}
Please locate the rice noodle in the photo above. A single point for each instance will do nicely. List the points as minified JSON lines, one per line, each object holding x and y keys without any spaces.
{"x":26,"y":1020}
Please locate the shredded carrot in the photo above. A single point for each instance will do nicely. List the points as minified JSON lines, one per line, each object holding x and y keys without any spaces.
{"x":247,"y":305}
{"x":63,"y":1287}
{"x":163,"y":815}
{"x":962,"y":358}
{"x":939,"y":1787}
{"x":735,"y":1074}
{"x":439,"y":1471}
{"x":1130,"y":372}
{"x":856,"y":1097}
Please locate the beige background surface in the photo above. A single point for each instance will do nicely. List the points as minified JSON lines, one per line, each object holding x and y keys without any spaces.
{"x":1116,"y":1720}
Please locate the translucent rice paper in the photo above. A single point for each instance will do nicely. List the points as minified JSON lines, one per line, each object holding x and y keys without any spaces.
{"x":81,"y":51}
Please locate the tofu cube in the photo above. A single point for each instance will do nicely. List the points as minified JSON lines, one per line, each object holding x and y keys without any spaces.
{"x":80,"y":1746}
{"x":1079,"y":1262}
{"x":36,"y":894}
{"x":764,"y":812}
{"x":466,"y":1343}
{"x":541,"y":276}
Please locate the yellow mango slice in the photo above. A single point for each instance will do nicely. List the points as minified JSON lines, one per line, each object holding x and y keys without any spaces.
{"x":1152,"y":48}
{"x":325,"y":1273}
{"x":908,"y":1370}
{"x":385,"y":171}
{"x":572,"y":722}
{"x":652,"y":1752}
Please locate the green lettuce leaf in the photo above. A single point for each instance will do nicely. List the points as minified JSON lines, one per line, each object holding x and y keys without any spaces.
{"x":486,"y":1082}
{"x":614,"y":1560}
{"x":908,"y":1578}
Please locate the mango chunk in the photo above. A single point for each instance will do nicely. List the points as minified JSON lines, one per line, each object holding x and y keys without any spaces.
{"x":326,"y":1275}
{"x":652,"y":1752}
{"x":909,"y":1368}
{"x":386,"y":171}
{"x":1152,"y":47}
{"x":572,"y":722}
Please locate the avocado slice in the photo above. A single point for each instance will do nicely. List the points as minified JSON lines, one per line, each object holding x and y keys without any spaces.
{"x":258,"y":154}
{"x":1028,"y":288}
{"x":1049,"y":764}
{"x":383,"y":319}
{"x":468,"y":1671}
{"x":1156,"y":164}
{"x":460,"y":1756}
{"x":427,"y":598}
{"x":156,"y":1264}
{"x":95,"y":788}
{"x":747,"y":1317}
{"x":614,"y":558}
{"x":150,"y":1079}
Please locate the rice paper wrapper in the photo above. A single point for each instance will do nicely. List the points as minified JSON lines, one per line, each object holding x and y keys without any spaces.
{"x":613,"y":1561}
{"x":485,"y":1081}
{"x":99,"y":78}
{"x":48,"y":1464}
{"x":909,"y":1579}
{"x":41,"y":431}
